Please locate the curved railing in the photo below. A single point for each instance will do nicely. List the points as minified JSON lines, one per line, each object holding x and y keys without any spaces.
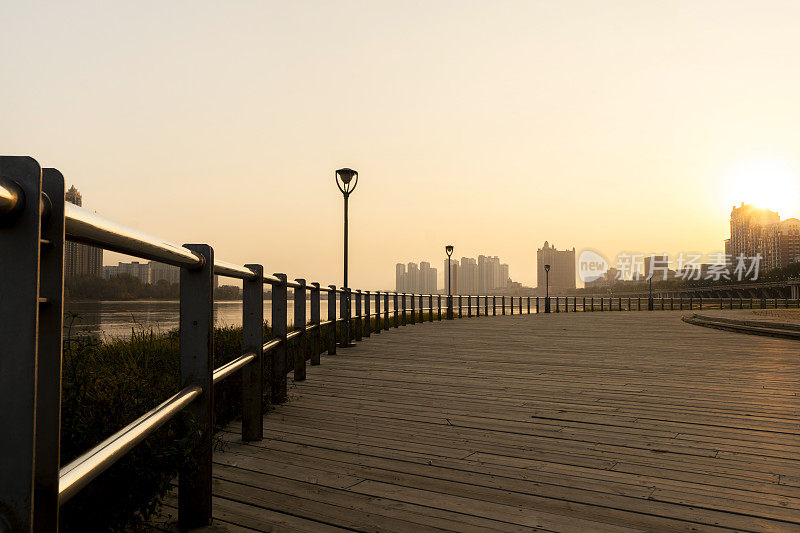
{"x":35,"y":224}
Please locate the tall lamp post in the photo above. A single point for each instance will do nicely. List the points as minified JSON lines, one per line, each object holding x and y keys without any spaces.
{"x":547,"y":288}
{"x":346,"y":180}
{"x":449,"y":250}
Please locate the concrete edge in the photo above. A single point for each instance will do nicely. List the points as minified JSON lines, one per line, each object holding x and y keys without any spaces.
{"x":742,"y":326}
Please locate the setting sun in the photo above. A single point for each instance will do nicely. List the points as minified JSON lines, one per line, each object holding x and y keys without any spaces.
{"x":771,"y":183}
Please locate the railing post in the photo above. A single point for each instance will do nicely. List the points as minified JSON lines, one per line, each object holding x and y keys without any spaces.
{"x":359,"y":317}
{"x":449,"y":307}
{"x":20,"y":250}
{"x":460,"y":306}
{"x":396,"y":309}
{"x":344,"y":314}
{"x":700,"y":303}
{"x":512,"y":305}
{"x":503,"y":298}
{"x":367,"y":314}
{"x":691,"y":302}
{"x":430,"y":304}
{"x":378,"y":315}
{"x":403,"y":317}
{"x":277,"y":373}
{"x":557,"y":298}
{"x":300,"y":325}
{"x":413,"y":309}
{"x":197,"y":368}
{"x":485,"y":306}
{"x":316,"y":334}
{"x":566,"y":304}
{"x":386,"y":311}
{"x":252,"y":342}
{"x":332,"y":320}
{"x":469,"y":306}
{"x":48,"y":385}
{"x":537,"y":305}
{"x":440,"y":307}
{"x":477,"y":305}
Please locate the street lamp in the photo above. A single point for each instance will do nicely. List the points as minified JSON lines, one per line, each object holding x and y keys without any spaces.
{"x":547,"y":289}
{"x":346,"y":180}
{"x":449,"y":250}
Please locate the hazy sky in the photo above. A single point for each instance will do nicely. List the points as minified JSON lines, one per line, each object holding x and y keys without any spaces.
{"x":494,"y":126}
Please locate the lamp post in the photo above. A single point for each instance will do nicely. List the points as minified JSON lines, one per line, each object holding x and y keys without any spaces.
{"x":346,"y":180}
{"x":547,"y":288}
{"x":449,"y":250}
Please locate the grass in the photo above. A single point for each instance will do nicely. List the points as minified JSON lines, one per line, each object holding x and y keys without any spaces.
{"x":107,"y":384}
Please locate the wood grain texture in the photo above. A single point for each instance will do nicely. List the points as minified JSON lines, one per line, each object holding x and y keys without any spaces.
{"x":567,"y":422}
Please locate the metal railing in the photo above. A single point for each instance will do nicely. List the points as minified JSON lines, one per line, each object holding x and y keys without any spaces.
{"x":34,"y":224}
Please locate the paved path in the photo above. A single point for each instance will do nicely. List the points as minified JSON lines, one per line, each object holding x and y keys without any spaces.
{"x":567,"y":422}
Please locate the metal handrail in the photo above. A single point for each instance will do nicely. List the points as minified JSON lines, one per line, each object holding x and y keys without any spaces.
{"x":232,"y":366}
{"x":83,"y":469}
{"x":87,"y":227}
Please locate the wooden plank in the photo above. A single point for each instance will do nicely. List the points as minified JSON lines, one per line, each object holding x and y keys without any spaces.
{"x":572,"y":421}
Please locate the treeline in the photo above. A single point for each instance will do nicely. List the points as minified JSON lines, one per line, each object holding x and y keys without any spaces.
{"x":127,"y":287}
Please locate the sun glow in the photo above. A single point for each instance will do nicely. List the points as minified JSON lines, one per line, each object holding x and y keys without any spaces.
{"x":770,"y":183}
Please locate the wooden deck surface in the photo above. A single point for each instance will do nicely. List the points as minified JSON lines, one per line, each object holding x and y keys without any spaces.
{"x":563,"y":422}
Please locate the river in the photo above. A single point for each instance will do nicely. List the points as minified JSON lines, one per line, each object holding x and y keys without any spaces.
{"x":117,"y":318}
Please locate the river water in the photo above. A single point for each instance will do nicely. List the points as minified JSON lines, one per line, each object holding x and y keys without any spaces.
{"x":118,"y":318}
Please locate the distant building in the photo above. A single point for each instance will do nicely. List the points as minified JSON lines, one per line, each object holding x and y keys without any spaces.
{"x":413,"y":278}
{"x":562,"y":268}
{"x":150,"y":272}
{"x":161,"y":272}
{"x":657,"y":267}
{"x":468,"y":276}
{"x":400,"y":277}
{"x":789,"y":241}
{"x":453,"y":276}
{"x":81,"y":259}
{"x":754,"y":231}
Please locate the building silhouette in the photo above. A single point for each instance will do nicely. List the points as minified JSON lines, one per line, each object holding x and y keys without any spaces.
{"x":81,"y":259}
{"x":562,"y":268}
{"x":148,"y":273}
{"x":413,"y":278}
{"x":760,"y":231}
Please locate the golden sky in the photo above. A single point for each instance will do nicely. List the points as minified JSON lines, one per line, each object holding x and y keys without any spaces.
{"x":613,"y":125}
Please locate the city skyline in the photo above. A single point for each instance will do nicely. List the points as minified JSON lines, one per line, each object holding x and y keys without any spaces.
{"x":598,"y":127}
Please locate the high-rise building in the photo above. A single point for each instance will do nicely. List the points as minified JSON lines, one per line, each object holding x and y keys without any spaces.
{"x":400,"y":277}
{"x":453,"y":276}
{"x":468,"y":276}
{"x":562,"y":268}
{"x":81,"y":259}
{"x":754,"y":231}
{"x":412,"y":278}
{"x":415,"y":279}
{"x":427,"y":278}
{"x":789,"y":241}
{"x":504,"y":277}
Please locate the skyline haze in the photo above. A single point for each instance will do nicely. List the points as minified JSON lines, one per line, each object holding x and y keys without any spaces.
{"x":622,"y":126}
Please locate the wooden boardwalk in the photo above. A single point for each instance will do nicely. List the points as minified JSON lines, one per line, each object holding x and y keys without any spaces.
{"x":567,"y":422}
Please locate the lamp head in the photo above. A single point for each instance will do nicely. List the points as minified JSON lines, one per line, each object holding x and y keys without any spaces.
{"x":547,"y":268}
{"x":449,"y":250}
{"x":346,"y":180}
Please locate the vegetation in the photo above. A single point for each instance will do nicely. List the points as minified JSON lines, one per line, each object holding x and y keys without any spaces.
{"x":108,"y":384}
{"x":127,"y":287}
{"x":105,"y":386}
